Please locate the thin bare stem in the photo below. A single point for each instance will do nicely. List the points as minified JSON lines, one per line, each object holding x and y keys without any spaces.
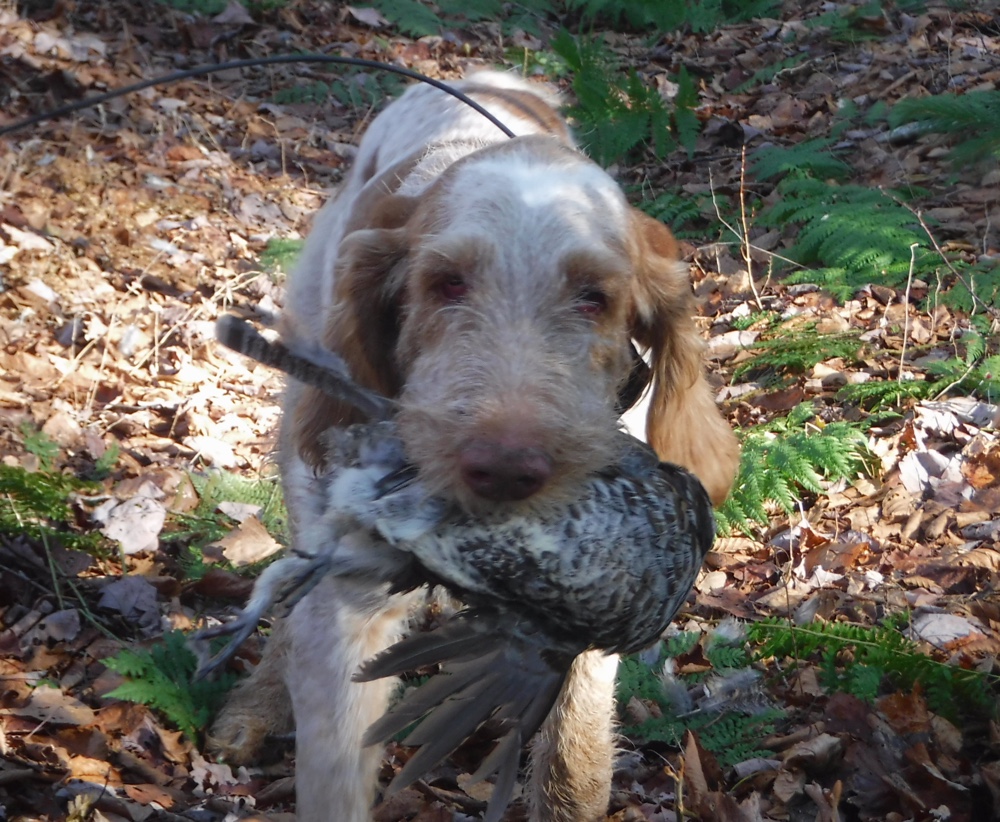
{"x":906,"y":309}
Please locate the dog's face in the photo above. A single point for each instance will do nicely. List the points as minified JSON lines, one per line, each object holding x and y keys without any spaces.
{"x":513,"y":338}
{"x":498,"y":305}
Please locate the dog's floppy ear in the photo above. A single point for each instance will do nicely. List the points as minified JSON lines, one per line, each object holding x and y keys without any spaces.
{"x":363,"y":325}
{"x":684,"y":425}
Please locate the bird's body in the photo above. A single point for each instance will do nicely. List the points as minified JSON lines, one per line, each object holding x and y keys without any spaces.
{"x":606,"y":570}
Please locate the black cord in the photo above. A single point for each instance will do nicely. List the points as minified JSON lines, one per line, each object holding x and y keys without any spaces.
{"x":199,"y":71}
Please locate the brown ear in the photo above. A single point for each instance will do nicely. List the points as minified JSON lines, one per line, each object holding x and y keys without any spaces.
{"x":363,"y":325}
{"x":684,"y":425}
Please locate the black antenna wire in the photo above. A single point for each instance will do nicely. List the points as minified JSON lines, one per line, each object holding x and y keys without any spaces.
{"x":200,"y":71}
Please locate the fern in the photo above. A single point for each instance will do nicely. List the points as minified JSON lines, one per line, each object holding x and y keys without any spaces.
{"x":979,"y":286}
{"x":879,"y":394}
{"x":698,"y":15}
{"x":472,"y":10}
{"x":731,"y":735}
{"x":847,"y":23}
{"x":797,"y":352}
{"x":162,"y":678}
{"x":352,"y":88}
{"x":37,"y":505}
{"x":616,"y":113}
{"x":731,"y":738}
{"x":762,"y":319}
{"x":808,"y":157}
{"x":219,"y":486}
{"x":685,"y":120}
{"x":864,"y":660}
{"x":974,"y":374}
{"x":784,"y":459}
{"x":410,"y":17}
{"x":192,"y":531}
{"x":982,"y":379}
{"x":104,"y":463}
{"x":419,"y":19}
{"x":37,"y":443}
{"x":973,"y":118}
{"x":675,"y":209}
{"x":858,"y":235}
{"x":207,"y":8}
{"x":280,"y":254}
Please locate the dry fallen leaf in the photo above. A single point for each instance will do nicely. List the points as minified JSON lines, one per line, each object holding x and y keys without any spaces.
{"x":247,"y":543}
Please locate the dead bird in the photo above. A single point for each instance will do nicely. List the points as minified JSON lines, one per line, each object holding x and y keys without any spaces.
{"x":607,"y":570}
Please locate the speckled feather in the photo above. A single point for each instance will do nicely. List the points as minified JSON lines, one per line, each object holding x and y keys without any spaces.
{"x":608,"y":571}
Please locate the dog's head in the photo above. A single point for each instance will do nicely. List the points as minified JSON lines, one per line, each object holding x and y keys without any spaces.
{"x":499,"y":305}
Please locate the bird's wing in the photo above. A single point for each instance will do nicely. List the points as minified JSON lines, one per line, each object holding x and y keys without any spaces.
{"x":495,"y":666}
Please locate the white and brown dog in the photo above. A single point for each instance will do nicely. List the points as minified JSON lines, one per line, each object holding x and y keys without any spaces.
{"x":493,"y":286}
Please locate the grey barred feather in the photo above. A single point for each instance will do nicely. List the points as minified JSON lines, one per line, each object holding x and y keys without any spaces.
{"x":607,"y":571}
{"x":306,"y":361}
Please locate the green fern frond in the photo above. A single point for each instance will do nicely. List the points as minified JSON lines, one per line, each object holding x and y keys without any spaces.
{"x":280,"y":254}
{"x":685,"y":120}
{"x":220,"y":486}
{"x":862,"y":660}
{"x":776,"y":467}
{"x":769,"y":73}
{"x":797,"y":351}
{"x":978,"y":286}
{"x":974,"y":117}
{"x":36,"y":504}
{"x":615,"y":111}
{"x":162,"y":678}
{"x":698,"y":15}
{"x":410,"y":17}
{"x":810,"y":157}
{"x":472,"y":10}
{"x":732,"y":735}
{"x":675,"y":209}
{"x":975,"y":347}
{"x":857,"y":235}
{"x":982,"y":380}
{"x":973,"y":374}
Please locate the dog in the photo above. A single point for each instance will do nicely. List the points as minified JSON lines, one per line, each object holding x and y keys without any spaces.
{"x":495,"y":287}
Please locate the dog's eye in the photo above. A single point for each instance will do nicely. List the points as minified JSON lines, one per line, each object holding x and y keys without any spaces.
{"x":592,"y":302}
{"x":453,"y":288}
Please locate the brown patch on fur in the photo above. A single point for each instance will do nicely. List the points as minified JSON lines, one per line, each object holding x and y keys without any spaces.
{"x":364,"y":324}
{"x":684,"y":425}
{"x":524,"y":104}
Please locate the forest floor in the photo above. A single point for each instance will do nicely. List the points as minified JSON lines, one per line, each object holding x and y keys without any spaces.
{"x":127,"y":229}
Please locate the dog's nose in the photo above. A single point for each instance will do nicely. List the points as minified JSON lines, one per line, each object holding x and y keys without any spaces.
{"x":502,"y":471}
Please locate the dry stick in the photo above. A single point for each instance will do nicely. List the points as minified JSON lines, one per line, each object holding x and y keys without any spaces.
{"x":906,"y":310}
{"x":953,"y":383}
{"x":968,"y":287}
{"x":976,"y":299}
{"x":51,"y":561}
{"x":102,"y":368}
{"x":737,"y":233}
{"x":677,"y":774}
{"x":745,"y":244}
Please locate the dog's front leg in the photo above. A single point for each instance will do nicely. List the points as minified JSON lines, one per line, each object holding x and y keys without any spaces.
{"x":333,"y":630}
{"x":572,"y":758}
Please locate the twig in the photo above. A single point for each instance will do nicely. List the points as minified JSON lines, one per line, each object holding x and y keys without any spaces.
{"x":953,"y":383}
{"x":745,"y":245}
{"x":906,"y":309}
{"x":976,"y":299}
{"x":739,"y":235}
